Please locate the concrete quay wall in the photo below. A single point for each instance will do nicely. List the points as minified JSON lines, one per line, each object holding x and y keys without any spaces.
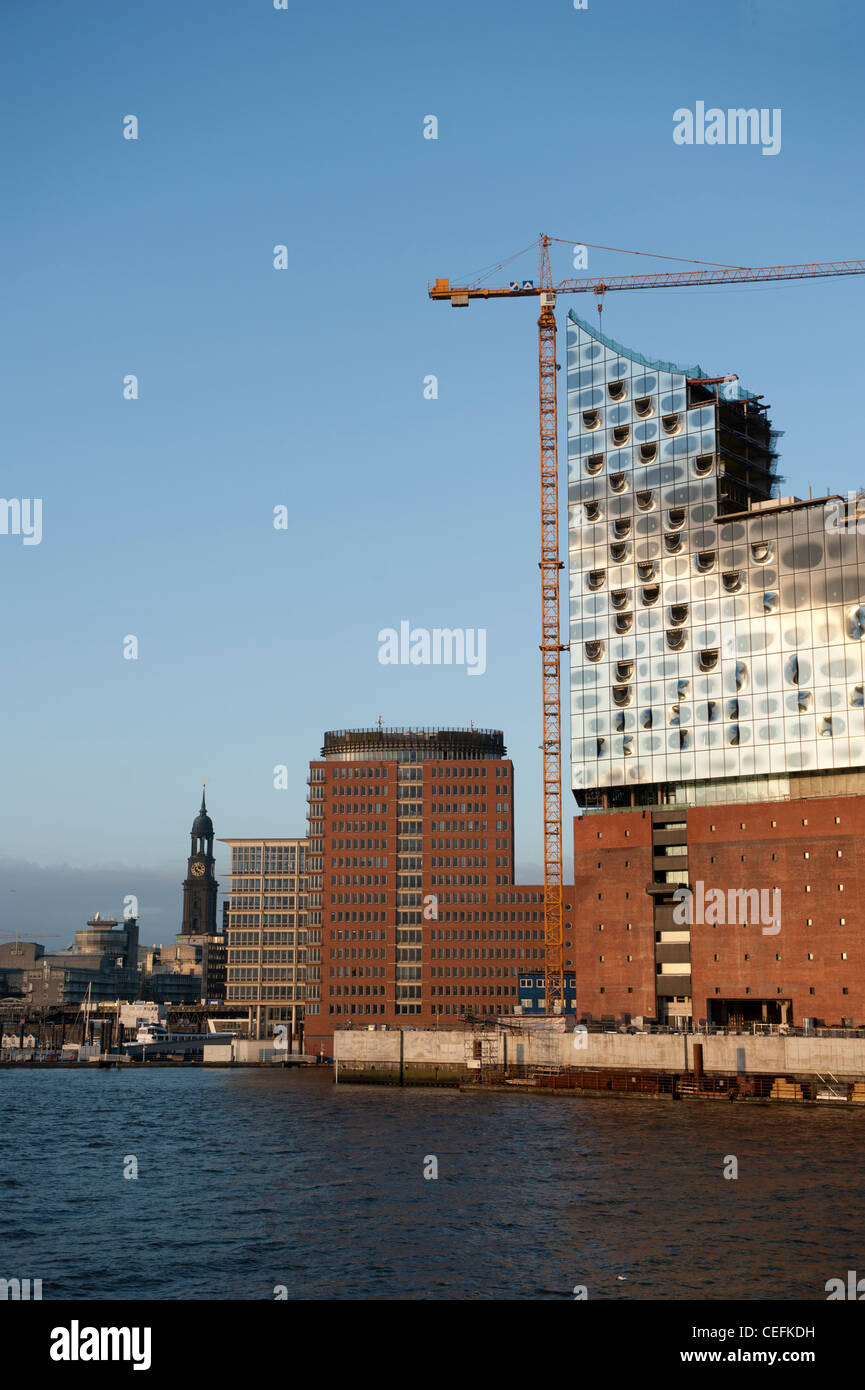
{"x":439,"y":1057}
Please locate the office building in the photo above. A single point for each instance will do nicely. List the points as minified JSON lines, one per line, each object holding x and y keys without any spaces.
{"x":414,"y":916}
{"x":267,"y":909}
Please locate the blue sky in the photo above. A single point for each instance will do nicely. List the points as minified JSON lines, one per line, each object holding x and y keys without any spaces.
{"x":304,"y":387}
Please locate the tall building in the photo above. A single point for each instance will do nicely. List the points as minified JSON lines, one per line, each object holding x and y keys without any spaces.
{"x":717,"y":713}
{"x":200,"y":887}
{"x":266,"y":924}
{"x":193,"y":968}
{"x":414,"y":916}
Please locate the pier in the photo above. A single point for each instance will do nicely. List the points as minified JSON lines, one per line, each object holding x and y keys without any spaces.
{"x":676,"y":1066}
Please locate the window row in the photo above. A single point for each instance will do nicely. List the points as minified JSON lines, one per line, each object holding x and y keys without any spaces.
{"x":643,"y":406}
{"x":702,"y":464}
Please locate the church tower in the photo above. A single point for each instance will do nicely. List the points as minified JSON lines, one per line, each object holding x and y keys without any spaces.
{"x":200,"y":887}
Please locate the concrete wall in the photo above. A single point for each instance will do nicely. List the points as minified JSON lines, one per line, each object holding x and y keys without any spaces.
{"x":770,"y":1055}
{"x":424,"y":1047}
{"x":247,"y":1051}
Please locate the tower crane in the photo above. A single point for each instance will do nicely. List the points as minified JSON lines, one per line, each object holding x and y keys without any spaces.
{"x":550,"y":565}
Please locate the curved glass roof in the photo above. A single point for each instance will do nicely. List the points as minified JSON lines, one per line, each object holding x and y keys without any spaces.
{"x":653,"y":362}
{"x":640,"y":357}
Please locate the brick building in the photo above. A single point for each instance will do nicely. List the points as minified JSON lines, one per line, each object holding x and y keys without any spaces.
{"x":744,"y":958}
{"x":414,"y":916}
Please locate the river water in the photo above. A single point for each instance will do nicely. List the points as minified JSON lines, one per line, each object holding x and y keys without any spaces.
{"x":250,"y":1180}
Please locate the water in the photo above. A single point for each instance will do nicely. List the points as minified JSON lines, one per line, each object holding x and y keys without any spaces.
{"x":253,"y":1179}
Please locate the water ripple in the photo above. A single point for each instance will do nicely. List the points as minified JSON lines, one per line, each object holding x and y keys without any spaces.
{"x":249,"y":1180}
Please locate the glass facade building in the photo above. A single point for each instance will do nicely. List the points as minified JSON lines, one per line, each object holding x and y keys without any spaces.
{"x":716,"y":630}
{"x":717,"y":720}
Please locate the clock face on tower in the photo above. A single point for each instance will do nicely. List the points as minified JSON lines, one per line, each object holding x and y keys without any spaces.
{"x":197,"y":869}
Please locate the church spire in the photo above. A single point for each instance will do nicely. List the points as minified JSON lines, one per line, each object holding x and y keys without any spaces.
{"x":200,"y":887}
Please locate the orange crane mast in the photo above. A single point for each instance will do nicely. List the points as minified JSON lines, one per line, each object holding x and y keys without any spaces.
{"x":551,"y":648}
{"x":550,"y":564}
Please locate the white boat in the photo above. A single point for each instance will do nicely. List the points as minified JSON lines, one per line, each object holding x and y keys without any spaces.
{"x":157,"y":1032}
{"x":154,"y":1034}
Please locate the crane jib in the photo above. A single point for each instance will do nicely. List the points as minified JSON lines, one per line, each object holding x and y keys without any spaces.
{"x":665,"y":279}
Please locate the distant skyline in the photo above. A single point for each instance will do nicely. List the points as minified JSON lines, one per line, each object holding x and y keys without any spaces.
{"x":47,"y":902}
{"x":304,"y":388}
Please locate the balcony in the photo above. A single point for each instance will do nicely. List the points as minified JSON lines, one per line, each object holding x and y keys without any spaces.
{"x":671,"y":953}
{"x":671,"y":986}
{"x":677,"y":862}
{"x":670,"y":835}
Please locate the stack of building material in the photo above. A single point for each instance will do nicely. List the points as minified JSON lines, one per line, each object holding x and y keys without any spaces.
{"x":785,"y":1089}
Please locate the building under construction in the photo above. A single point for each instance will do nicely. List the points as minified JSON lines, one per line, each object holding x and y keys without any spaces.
{"x":717,"y":740}
{"x":717,"y":720}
